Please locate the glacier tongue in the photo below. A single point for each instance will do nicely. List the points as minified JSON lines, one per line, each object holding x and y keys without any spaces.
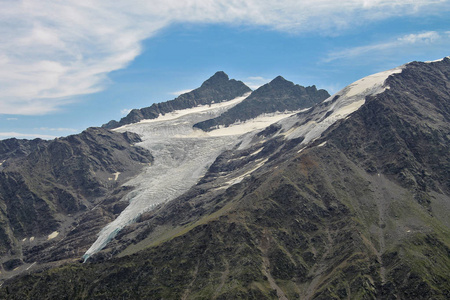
{"x":182,"y":155}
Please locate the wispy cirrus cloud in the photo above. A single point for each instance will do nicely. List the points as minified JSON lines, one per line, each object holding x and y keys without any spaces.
{"x":255,"y":82}
{"x":178,"y":93}
{"x":409,"y":40}
{"x":57,"y":129}
{"x":51,"y":51}
{"x":125,"y":111}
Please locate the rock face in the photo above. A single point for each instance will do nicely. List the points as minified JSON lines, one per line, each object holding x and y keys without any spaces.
{"x":51,"y":187}
{"x":360,"y":211}
{"x":277,"y":96}
{"x":216,"y":89}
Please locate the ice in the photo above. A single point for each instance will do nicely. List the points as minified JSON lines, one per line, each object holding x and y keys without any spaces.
{"x":182,"y":156}
{"x":370,"y":85}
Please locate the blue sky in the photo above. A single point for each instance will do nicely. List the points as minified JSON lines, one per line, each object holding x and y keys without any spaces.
{"x":66,"y":66}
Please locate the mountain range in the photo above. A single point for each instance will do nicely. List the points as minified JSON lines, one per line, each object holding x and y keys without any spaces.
{"x":284,"y":192}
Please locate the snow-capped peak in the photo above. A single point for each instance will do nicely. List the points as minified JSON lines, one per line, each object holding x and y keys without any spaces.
{"x":336,"y":107}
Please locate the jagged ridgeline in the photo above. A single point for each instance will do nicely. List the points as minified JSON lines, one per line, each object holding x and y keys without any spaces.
{"x":217,"y":88}
{"x":277,"y":96}
{"x":346,"y":200}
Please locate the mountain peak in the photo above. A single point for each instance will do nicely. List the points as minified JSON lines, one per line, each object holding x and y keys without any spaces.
{"x":280,"y":82}
{"x":218,"y":78}
{"x":279,"y":78}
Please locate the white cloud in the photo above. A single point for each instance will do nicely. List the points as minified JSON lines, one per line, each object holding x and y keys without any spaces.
{"x":57,"y":129}
{"x":255,"y":82}
{"x":425,"y":37}
{"x":125,"y":111}
{"x":12,"y":119}
{"x":414,"y":39}
{"x":51,"y":51}
{"x":178,"y":93}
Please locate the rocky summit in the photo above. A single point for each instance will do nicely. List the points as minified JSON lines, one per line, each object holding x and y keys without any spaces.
{"x":289,"y":97}
{"x":287,"y":194}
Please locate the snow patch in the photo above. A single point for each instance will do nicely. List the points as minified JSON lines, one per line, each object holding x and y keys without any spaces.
{"x":323,"y":144}
{"x":30,"y":266}
{"x":257,"y":151}
{"x":116,"y":176}
{"x":1,"y":162}
{"x":52,"y":235}
{"x":31,"y":238}
{"x":299,"y":151}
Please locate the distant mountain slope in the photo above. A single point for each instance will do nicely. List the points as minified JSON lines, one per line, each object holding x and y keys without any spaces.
{"x":349,"y":200}
{"x":18,"y":147}
{"x":216,"y":89}
{"x":277,"y":96}
{"x":52,"y":186}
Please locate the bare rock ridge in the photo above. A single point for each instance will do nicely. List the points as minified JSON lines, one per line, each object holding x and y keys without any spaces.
{"x":276,"y":96}
{"x":217,"y":88}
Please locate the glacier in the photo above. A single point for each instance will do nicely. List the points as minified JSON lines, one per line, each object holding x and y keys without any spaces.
{"x":182,"y":154}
